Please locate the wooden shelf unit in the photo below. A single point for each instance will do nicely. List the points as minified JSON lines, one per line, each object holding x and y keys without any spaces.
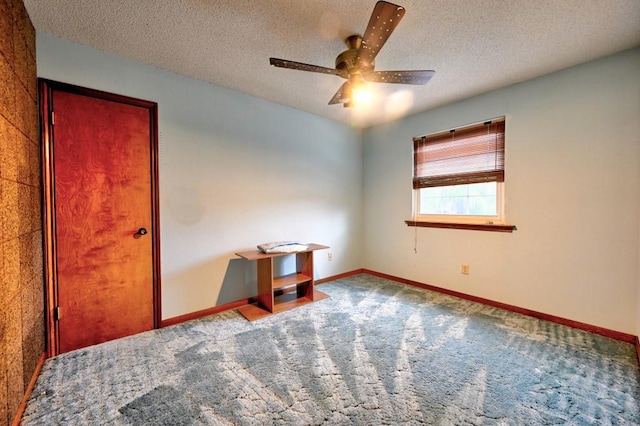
{"x":268,"y":303}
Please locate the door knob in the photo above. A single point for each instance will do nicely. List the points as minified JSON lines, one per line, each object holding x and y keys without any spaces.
{"x":142,"y":231}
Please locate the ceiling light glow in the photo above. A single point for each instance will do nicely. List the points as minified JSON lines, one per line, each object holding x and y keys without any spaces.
{"x":361,"y":95}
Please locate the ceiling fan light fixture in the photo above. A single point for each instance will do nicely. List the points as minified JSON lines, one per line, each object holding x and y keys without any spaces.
{"x":347,"y":93}
{"x":355,"y":92}
{"x":361,"y":94}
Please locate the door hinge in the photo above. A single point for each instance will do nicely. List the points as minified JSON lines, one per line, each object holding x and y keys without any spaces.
{"x":52,"y":117}
{"x":57,"y":313}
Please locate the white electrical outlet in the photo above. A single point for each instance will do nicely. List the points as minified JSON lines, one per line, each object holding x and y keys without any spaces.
{"x":329,"y":256}
{"x":465,"y":269}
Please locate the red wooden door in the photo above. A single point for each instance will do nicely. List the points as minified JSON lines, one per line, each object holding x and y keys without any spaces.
{"x":103,"y":209}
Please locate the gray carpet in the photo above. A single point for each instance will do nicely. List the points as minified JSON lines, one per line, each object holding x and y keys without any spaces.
{"x":375,"y":353}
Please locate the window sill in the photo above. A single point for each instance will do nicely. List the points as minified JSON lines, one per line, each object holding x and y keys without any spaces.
{"x":467,"y":226}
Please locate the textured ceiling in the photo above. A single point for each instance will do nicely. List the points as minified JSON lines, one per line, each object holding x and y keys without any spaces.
{"x":474,"y":46}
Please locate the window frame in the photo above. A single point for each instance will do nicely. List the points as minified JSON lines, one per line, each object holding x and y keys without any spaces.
{"x":498,"y":219}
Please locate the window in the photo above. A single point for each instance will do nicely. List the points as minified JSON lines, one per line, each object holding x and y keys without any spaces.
{"x":459,"y":174}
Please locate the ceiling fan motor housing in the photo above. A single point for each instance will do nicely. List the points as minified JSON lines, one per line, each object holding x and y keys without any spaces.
{"x":347,"y":61}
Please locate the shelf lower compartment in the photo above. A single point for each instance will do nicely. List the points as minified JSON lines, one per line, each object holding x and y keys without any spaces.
{"x":283,"y":303}
{"x":289,"y":280}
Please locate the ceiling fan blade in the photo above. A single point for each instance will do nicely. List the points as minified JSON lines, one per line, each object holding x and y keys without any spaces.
{"x":340,"y":95}
{"x":283,"y":63}
{"x":399,"y":77}
{"x":384,"y":19}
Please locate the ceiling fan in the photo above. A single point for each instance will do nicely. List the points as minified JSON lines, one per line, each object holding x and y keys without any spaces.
{"x":356,"y":64}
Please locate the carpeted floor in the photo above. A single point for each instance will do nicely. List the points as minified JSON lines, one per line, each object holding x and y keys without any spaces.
{"x":375,"y":353}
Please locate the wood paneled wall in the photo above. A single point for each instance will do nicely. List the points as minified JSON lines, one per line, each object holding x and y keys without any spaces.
{"x":21,"y":279}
